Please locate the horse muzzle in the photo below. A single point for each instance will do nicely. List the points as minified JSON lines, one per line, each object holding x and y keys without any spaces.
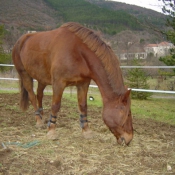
{"x":125,"y":139}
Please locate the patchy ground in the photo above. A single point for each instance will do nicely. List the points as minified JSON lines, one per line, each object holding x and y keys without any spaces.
{"x":24,"y":149}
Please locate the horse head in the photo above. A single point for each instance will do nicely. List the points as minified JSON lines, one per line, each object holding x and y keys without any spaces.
{"x":117,"y":116}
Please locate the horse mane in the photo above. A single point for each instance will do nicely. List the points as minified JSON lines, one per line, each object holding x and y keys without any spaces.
{"x":103,"y":52}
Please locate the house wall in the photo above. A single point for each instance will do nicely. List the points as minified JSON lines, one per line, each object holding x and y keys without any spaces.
{"x":141,"y":55}
{"x":158,"y":50}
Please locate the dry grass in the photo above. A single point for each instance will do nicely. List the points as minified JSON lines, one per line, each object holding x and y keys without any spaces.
{"x":152,"y":150}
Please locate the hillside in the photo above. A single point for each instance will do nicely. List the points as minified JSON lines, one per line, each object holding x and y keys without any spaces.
{"x":107,"y":17}
{"x":31,"y":15}
{"x":98,"y":18}
{"x":143,"y":14}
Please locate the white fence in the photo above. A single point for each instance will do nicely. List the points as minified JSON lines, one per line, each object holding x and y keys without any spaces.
{"x":126,"y":67}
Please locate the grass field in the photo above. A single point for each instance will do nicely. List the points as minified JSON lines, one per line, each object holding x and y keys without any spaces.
{"x":25,"y":149}
{"x":159,"y":109}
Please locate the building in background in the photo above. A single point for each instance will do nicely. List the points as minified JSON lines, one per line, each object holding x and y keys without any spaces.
{"x":158,"y":50}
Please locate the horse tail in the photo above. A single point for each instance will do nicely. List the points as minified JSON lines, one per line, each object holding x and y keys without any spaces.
{"x":24,"y":97}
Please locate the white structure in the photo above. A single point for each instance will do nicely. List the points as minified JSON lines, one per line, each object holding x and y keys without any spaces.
{"x":160,"y":49}
{"x":31,"y":31}
{"x":137,"y":53}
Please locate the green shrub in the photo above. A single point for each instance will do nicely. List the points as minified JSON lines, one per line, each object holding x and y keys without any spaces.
{"x":137,"y":79}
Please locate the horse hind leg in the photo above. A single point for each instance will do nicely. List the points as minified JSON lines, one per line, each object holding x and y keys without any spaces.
{"x":82,"y":104}
{"x":40,"y":95}
{"x":39,"y":113}
{"x":27,"y":94}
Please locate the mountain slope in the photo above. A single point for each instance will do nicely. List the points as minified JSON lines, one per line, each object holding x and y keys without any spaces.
{"x":108,"y":21}
{"x":19,"y":16}
{"x":143,"y":14}
{"x":28,"y":14}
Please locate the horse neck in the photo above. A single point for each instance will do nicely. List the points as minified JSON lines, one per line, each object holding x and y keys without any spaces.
{"x":101,"y":78}
{"x":107,"y":92}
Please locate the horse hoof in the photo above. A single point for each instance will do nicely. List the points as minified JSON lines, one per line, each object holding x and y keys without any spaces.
{"x":88,"y":134}
{"x":40,"y":125}
{"x":51,"y":135}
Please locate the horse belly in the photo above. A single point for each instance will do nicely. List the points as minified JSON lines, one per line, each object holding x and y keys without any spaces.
{"x":74,"y":77}
{"x":76,"y":81}
{"x":72,"y":71}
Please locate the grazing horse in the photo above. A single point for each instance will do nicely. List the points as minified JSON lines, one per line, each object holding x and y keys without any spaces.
{"x":72,"y":55}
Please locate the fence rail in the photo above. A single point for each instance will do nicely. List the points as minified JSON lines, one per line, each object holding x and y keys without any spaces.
{"x":7,"y":65}
{"x":146,"y":67}
{"x":127,"y":67}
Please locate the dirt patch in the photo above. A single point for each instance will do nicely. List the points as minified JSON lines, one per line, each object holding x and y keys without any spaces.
{"x":24,"y":149}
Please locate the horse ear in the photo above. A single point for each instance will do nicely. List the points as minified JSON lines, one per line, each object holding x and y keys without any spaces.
{"x":126,"y":96}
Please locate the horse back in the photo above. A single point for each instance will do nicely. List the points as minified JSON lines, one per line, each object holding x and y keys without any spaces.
{"x":44,"y":55}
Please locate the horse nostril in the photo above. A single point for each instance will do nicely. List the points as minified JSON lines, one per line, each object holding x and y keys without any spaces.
{"x":123,"y":143}
{"x":122,"y":139}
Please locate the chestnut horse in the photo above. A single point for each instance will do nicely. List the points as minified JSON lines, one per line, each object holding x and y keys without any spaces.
{"x":72,"y":55}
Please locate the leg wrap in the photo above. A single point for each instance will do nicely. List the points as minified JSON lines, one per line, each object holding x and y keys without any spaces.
{"x":83,"y":120}
{"x":50,"y":121}
{"x":38,"y":112}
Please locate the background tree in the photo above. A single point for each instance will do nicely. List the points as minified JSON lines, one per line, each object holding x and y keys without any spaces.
{"x":4,"y":57}
{"x":169,"y":10}
{"x":137,"y":79}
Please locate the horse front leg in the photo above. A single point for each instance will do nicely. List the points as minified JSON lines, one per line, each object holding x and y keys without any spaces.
{"x":39,"y":111}
{"x":82,"y":104}
{"x":58,"y":89}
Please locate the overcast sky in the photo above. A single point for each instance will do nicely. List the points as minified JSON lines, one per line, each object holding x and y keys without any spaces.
{"x":150,"y":4}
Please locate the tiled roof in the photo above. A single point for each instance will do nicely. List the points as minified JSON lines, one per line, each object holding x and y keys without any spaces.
{"x":164,"y":43}
{"x":152,"y":45}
